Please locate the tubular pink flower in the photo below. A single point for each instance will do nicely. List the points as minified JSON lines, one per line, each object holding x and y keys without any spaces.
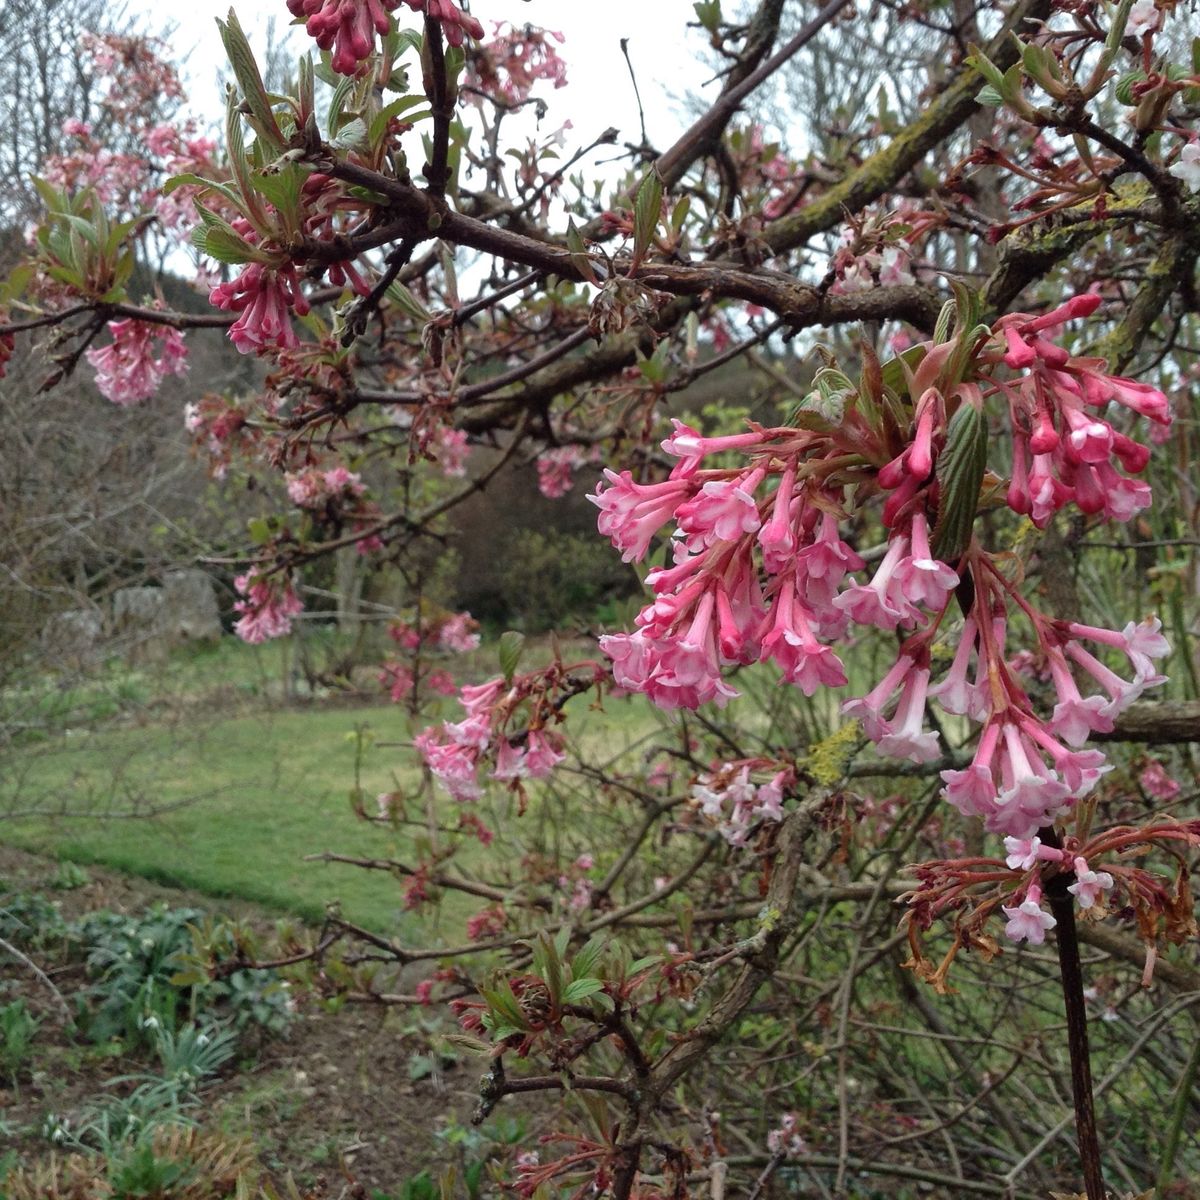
{"x":777,"y":537}
{"x":956,"y":693}
{"x":1140,"y":397}
{"x":918,"y":459}
{"x":1089,"y":886}
{"x":1080,"y":770}
{"x":869,"y":708}
{"x":923,"y":579}
{"x":880,"y":602}
{"x":264,"y":297}
{"x":1031,"y":794}
{"x":1027,"y":921}
{"x":1122,"y":692}
{"x":541,"y":754}
{"x":721,"y":511}
{"x":509,"y":762}
{"x":632,"y":513}
{"x":1019,"y":498}
{"x":454,"y":766}
{"x":907,"y":737}
{"x":690,"y":446}
{"x":1020,"y":354}
{"x":1025,"y":853}
{"x":1089,"y":440}
{"x":803,"y":660}
{"x":1047,"y":494}
{"x":481,"y":698}
{"x":1075,"y":718}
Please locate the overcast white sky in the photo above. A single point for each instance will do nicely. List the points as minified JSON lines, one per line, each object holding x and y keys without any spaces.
{"x":667,"y":62}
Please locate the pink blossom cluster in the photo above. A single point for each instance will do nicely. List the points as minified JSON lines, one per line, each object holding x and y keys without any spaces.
{"x":125,"y":181}
{"x":883,"y":266}
{"x":459,"y":633}
{"x":139,"y":78}
{"x":1064,"y":450}
{"x":556,"y":468}
{"x":449,"y":449}
{"x":1157,"y":783}
{"x":764,"y":166}
{"x":268,"y":603}
{"x":219,"y":428}
{"x":141,"y":355}
{"x":456,"y":24}
{"x":759,"y":573}
{"x":486,"y":923}
{"x":731,"y":799}
{"x":264,"y":298}
{"x":518,"y":56}
{"x":755,"y":575}
{"x":347,"y":27}
{"x":455,"y":752}
{"x":314,"y":487}
{"x":181,"y":151}
{"x":326,"y":207}
{"x":455,"y":633}
{"x":1025,"y":854}
{"x":399,"y":681}
{"x":1028,"y":921}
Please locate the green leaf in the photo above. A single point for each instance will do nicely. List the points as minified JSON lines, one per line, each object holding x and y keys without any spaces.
{"x":941,"y":331}
{"x":679,"y":214}
{"x":221,"y":246}
{"x":641,"y":964}
{"x":1124,"y":88}
{"x":218,"y":239}
{"x":579,"y":255}
{"x":282,"y":188}
{"x":581,"y":989}
{"x":562,"y":941}
{"x":960,"y":469}
{"x":512,"y":645}
{"x":708,"y":13}
{"x":989,"y":97}
{"x":584,"y":962}
{"x":245,"y":70}
{"x":399,"y":295}
{"x":190,"y":180}
{"x":381,"y":120}
{"x":351,"y":136}
{"x":647,"y":208}
{"x":988,"y":69}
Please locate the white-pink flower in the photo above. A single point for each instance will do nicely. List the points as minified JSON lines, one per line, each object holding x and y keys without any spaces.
{"x":1027,"y":922}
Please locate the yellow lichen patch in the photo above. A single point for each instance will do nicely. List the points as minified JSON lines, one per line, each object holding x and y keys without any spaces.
{"x":828,"y":759}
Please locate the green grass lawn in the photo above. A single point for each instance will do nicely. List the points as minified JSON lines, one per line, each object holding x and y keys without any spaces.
{"x":256,"y":793}
{"x":248,"y":789}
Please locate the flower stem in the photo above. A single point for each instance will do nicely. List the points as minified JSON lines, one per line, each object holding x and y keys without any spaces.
{"x":1062,"y":906}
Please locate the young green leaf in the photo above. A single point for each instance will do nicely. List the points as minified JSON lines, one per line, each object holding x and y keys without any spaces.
{"x":960,"y":470}
{"x":647,"y":209}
